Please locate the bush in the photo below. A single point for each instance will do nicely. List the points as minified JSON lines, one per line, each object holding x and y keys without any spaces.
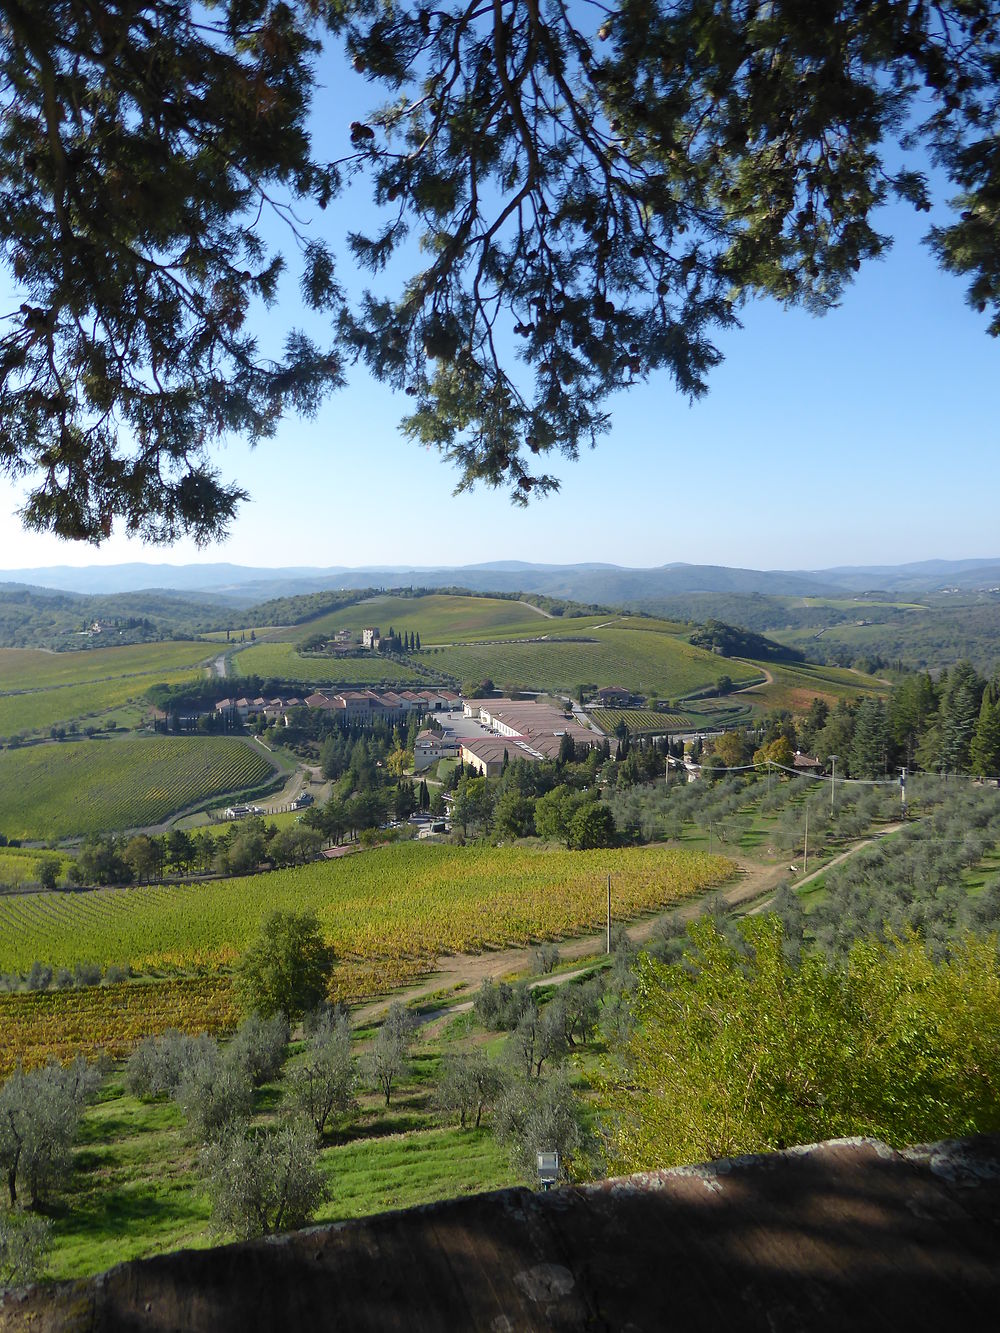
{"x":261,"y":1183}
{"x":39,"y":1114}
{"x":387,"y":1059}
{"x":548,"y":957}
{"x":469,"y":1085}
{"x":533,"y":1116}
{"x":213,"y":1093}
{"x":87,"y":974}
{"x":39,"y":978}
{"x":499,"y":1006}
{"x":159,"y":1064}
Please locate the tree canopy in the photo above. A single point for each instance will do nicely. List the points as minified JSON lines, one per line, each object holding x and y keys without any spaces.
{"x":287,"y":967}
{"x":594,"y":193}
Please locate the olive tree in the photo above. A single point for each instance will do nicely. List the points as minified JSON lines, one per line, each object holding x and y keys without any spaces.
{"x":262,"y":1182}
{"x":323,"y":1085}
{"x":39,"y":1115}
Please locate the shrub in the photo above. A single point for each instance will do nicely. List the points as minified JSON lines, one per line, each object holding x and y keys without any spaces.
{"x":24,"y":1240}
{"x":259,"y":1047}
{"x":260,"y":1183}
{"x":214,"y":1093}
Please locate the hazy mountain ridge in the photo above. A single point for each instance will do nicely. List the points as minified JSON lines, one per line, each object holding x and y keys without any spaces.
{"x":587,"y":582}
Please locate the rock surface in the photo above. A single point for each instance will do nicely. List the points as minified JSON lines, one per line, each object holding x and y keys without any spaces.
{"x":846,"y":1235}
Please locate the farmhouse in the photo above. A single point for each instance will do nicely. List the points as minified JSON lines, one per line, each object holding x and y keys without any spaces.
{"x":430,"y":747}
{"x":370,"y":637}
{"x":613,"y":696}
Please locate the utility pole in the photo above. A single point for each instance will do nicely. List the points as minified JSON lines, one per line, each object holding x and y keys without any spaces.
{"x":769,"y":777}
{"x":609,"y":914}
{"x":833,"y":783}
{"x":805,"y":850}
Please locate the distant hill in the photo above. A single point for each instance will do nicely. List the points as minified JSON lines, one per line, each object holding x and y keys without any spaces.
{"x":589,"y":582}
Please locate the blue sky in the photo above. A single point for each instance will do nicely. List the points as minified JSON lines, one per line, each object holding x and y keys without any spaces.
{"x":865,"y":436}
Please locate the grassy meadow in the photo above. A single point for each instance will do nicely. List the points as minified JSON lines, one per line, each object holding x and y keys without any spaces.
{"x":794,"y":686}
{"x":78,"y":787}
{"x":35,"y":669}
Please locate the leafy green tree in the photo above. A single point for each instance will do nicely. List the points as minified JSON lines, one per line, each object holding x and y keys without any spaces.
{"x":774,"y":752}
{"x":513,"y":816}
{"x":743,"y":1049}
{"x":593,"y":825}
{"x":288,"y":966}
{"x":48,"y":871}
{"x":731,"y":748}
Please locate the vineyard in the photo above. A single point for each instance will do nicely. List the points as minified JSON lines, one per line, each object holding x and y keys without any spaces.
{"x":634,"y":659}
{"x":59,"y":1025}
{"x":38,"y":710}
{"x":80,"y":787}
{"x":640,"y":721}
{"x":33,"y":669}
{"x":280,"y":661}
{"x":389,"y":906}
{"x":436,"y":617}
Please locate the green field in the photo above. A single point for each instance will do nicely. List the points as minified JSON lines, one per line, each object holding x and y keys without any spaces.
{"x":637,"y":660}
{"x":282,"y":662}
{"x":80,"y":787}
{"x":18,"y":866}
{"x":39,"y":690}
{"x":405,"y":901}
{"x":33,"y":669}
{"x":437,"y":617}
{"x":38,"y":710}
